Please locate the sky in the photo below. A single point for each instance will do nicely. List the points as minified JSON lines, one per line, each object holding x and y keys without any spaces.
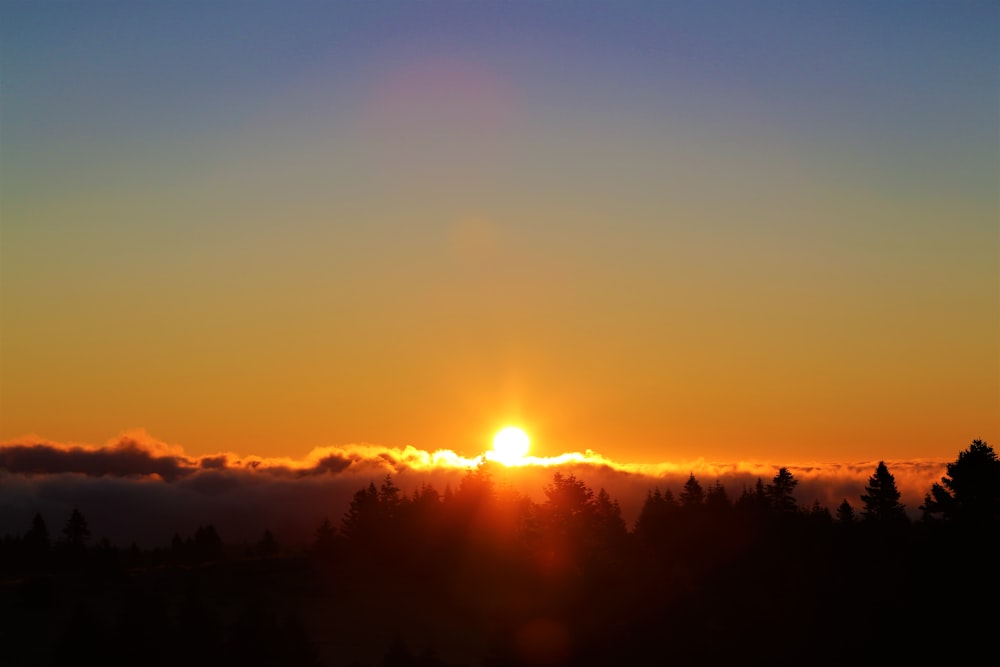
{"x":662,"y":232}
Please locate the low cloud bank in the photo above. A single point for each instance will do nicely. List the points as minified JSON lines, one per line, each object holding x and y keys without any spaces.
{"x":136,"y":488}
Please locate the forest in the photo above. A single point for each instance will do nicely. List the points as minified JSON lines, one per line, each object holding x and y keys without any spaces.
{"x":481,"y":575}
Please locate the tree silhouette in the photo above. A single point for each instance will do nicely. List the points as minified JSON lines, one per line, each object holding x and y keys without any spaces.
{"x":881,"y":498}
{"x":609,"y":516}
{"x":651,"y":527}
{"x":716,"y":498}
{"x":845,"y":513}
{"x":325,"y":543}
{"x":584,"y":528}
{"x":755,"y":501}
{"x":37,"y":536}
{"x":692,"y":495}
{"x":486,"y":563}
{"x":780,"y":491}
{"x":567,"y":499}
{"x":36,"y":544}
{"x":390,"y":498}
{"x":360,"y":523}
{"x":970,"y":492}
{"x":820,"y":513}
{"x":476,"y":489}
{"x":76,"y":532}
{"x":373,"y":518}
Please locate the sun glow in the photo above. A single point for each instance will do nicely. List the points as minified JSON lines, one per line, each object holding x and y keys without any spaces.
{"x":510,"y":446}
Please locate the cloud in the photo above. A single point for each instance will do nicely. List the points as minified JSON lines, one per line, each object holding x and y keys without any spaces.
{"x":130,"y":455}
{"x":166,"y":491}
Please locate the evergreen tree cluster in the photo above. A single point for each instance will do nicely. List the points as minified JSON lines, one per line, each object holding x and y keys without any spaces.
{"x":486,"y":576}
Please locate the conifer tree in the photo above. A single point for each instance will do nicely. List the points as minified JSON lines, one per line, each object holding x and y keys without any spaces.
{"x":881,"y":498}
{"x":76,"y":532}
{"x":361,"y":520}
{"x":610,"y":523}
{"x":971,"y":489}
{"x":845,"y":513}
{"x":37,"y":538}
{"x":780,"y":491}
{"x":717,"y":498}
{"x":692,"y":495}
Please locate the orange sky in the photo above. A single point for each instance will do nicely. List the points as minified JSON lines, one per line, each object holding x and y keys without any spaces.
{"x":637,"y":231}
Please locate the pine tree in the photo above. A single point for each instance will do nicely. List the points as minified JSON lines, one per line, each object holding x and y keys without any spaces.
{"x":845,"y":513}
{"x":716,"y":498}
{"x":568,"y":500}
{"x":77,"y":532}
{"x":610,"y":523}
{"x":819,"y":513}
{"x":37,"y":538}
{"x":362,"y":521}
{"x":390,"y":499}
{"x":780,"y":490}
{"x":971,"y":489}
{"x":692,"y":495}
{"x":881,"y":498}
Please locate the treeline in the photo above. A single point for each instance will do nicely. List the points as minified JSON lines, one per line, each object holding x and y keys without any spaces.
{"x":481,"y":574}
{"x":73,"y":550}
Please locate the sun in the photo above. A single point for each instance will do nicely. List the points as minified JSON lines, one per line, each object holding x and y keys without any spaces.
{"x":510,"y":445}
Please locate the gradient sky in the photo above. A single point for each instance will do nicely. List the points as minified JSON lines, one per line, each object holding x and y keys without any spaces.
{"x":763,"y":230}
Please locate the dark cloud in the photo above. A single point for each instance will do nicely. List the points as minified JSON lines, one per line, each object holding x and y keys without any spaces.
{"x":332,"y":463}
{"x":137,"y":488}
{"x":126,"y":459}
{"x":214,"y":462}
{"x":138,"y":455}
